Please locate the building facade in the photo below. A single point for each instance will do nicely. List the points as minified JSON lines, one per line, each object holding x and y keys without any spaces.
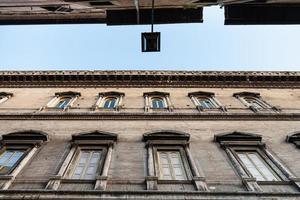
{"x":150,"y":135}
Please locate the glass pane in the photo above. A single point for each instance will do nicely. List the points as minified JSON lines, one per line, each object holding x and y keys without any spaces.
{"x":63,"y":103}
{"x":14,"y":159}
{"x":177,"y":166}
{"x":250,"y":167}
{"x":254,"y":102}
{"x":110,"y":103}
{"x":205,"y":103}
{"x":9,"y":159}
{"x":5,"y":156}
{"x":87,"y":165}
{"x":157,"y":103}
{"x":262,"y":166}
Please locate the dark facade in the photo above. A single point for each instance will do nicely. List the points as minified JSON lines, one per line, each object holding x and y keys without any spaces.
{"x":124,"y":12}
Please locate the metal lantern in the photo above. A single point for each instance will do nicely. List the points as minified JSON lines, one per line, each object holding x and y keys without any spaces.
{"x":151,"y":42}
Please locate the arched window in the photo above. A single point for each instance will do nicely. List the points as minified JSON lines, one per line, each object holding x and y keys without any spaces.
{"x":63,"y":102}
{"x":110,"y":103}
{"x":255,"y":102}
{"x":205,"y":102}
{"x":157,"y":103}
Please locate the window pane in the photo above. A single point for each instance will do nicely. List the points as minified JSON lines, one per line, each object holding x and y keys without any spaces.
{"x":171,"y":166}
{"x":262,"y":166}
{"x":254,"y":102}
{"x":251,"y":167}
{"x":87,"y":165}
{"x":9,"y":159}
{"x":110,"y":103}
{"x":157,"y":103}
{"x":257,"y":166}
{"x":63,"y":102}
{"x":205,"y":103}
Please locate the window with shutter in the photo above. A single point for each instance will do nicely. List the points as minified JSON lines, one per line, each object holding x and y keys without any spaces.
{"x":257,"y":167}
{"x":171,"y":166}
{"x":86,"y":165}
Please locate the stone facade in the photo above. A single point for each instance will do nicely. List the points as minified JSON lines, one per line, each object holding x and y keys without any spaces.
{"x":128,"y":171}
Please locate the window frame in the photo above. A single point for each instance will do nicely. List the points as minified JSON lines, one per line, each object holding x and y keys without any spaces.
{"x":5,"y":148}
{"x":29,"y":141}
{"x":90,"y":140}
{"x":239,"y":141}
{"x":172,"y":141}
{"x":264,"y":106}
{"x":53,"y":103}
{"x":180,"y":149}
{"x":104,"y":96}
{"x":163,"y":100}
{"x":149,"y":96}
{"x":194,"y":96}
{"x":72,"y":166}
{"x":265,"y":159}
{"x":4,"y":96}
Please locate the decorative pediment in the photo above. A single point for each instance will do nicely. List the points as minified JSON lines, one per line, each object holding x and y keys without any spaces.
{"x":166,"y":135}
{"x":95,"y":135}
{"x":6,"y":94}
{"x":112,"y":93}
{"x":201,"y":93}
{"x":242,"y":94}
{"x":294,"y":138}
{"x":156,"y":93}
{"x":237,"y":136}
{"x":25,"y":137}
{"x":68,"y":93}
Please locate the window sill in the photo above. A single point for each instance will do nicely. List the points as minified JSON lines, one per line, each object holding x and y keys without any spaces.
{"x":174,"y":181}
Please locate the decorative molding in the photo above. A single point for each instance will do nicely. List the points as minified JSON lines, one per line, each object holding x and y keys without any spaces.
{"x":166,"y":135}
{"x":237,"y":136}
{"x":150,"y":116}
{"x":149,"y":79}
{"x":112,"y":93}
{"x":294,"y":138}
{"x":95,"y":135}
{"x":247,"y":94}
{"x":201,"y":93}
{"x":69,"y":93}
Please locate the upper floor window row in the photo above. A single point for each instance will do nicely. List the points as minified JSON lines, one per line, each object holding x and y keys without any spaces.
{"x":154,"y":101}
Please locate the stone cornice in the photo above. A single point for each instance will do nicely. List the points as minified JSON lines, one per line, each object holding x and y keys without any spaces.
{"x":89,"y":194}
{"x":224,"y":79}
{"x":152,"y":116}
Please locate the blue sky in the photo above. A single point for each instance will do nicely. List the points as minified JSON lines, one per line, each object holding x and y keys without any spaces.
{"x":207,"y":46}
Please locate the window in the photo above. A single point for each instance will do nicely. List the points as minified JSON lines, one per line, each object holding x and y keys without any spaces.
{"x":254,"y":101}
{"x":62,"y":100}
{"x":254,"y":163}
{"x":86,"y":165}
{"x":170,"y":161}
{"x":4,"y":96}
{"x":206,"y":101}
{"x":9,"y":159}
{"x":88,"y":160}
{"x":171,"y":166}
{"x":256,"y":166}
{"x":15,"y":148}
{"x":110,"y":101}
{"x":157,"y":101}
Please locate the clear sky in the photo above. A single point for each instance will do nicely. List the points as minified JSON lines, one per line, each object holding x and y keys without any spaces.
{"x":207,"y":46}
